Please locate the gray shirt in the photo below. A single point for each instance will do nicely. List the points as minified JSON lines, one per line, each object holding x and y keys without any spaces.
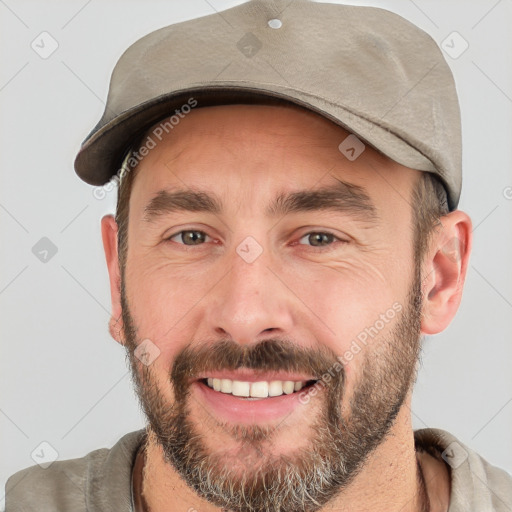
{"x":102,"y":480}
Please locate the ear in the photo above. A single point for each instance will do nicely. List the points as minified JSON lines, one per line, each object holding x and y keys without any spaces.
{"x":444,"y":271}
{"x":109,"y":236}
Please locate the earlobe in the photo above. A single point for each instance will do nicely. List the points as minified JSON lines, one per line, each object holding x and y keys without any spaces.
{"x":115,"y":328}
{"x":109,"y":236}
{"x":445,"y":269}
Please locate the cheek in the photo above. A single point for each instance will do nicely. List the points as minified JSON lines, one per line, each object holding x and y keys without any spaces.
{"x":160,"y":297}
{"x":352,"y":303}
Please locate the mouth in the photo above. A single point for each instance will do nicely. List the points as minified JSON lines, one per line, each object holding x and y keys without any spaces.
{"x":250,"y":399}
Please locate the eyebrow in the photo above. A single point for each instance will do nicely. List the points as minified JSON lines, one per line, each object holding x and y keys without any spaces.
{"x":344,"y":198}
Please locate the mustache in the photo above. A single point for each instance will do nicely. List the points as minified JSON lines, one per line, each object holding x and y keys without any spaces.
{"x":268,"y":355}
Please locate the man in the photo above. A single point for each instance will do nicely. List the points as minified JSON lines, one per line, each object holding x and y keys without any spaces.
{"x":286,"y":230}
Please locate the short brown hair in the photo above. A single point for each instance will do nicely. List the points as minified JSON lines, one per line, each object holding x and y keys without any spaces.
{"x":429,"y":203}
{"x":122,"y":214}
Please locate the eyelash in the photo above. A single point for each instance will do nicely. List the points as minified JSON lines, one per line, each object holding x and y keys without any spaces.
{"x":309,"y":233}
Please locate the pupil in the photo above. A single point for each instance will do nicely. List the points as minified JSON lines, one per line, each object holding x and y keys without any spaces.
{"x":319,"y":237}
{"x":193,"y":236}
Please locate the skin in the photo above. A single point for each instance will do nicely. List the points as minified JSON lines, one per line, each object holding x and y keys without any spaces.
{"x":248,"y":154}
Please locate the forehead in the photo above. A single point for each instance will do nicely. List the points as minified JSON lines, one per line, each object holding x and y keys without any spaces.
{"x":259,"y":150}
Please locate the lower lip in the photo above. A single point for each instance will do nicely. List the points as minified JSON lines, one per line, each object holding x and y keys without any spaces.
{"x":239,"y":410}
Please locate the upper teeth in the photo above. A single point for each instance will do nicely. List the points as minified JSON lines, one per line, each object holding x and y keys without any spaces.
{"x":255,"y":389}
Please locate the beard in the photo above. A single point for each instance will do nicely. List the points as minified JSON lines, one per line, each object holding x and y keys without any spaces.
{"x":253,"y":478}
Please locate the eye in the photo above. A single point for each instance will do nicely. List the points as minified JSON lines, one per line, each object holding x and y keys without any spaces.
{"x":320,"y":239}
{"x":189,"y":237}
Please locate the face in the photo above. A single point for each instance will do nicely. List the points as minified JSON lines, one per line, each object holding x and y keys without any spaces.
{"x":262,"y":261}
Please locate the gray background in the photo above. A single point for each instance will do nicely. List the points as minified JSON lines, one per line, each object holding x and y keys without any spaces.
{"x":64,"y":380}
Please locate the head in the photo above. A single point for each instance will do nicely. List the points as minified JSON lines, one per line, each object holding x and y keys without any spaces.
{"x":287,"y":257}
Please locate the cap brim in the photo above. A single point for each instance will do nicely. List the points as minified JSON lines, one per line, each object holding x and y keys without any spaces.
{"x":100,"y":157}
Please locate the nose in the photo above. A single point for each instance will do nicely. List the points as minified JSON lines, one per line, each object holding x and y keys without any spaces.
{"x":250,"y":301}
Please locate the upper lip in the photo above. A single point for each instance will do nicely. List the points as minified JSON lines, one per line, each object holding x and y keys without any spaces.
{"x":246,"y":375}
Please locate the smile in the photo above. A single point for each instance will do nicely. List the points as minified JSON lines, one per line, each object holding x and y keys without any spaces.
{"x":256,"y":390}
{"x":251,"y":397}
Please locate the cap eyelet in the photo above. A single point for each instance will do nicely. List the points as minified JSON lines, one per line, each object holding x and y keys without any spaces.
{"x":275,"y":23}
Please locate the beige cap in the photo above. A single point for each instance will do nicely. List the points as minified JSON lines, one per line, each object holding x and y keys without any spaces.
{"x":367,"y":69}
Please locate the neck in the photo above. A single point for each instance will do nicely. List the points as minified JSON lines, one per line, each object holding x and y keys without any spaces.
{"x":392,"y":479}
